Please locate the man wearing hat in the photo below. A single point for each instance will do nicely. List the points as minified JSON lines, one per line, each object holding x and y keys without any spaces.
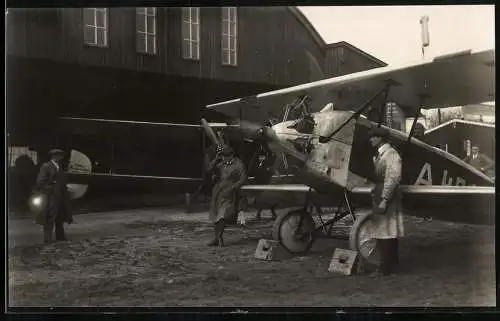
{"x":387,"y":199}
{"x":224,"y":204}
{"x":51,"y":182}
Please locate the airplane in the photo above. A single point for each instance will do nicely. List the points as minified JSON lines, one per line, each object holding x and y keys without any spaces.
{"x":323,"y":133}
{"x":333,"y":159}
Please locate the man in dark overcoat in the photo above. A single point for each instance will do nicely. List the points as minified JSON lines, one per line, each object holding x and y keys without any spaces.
{"x":51,"y":183}
{"x":479,"y":161}
{"x":224,"y":203}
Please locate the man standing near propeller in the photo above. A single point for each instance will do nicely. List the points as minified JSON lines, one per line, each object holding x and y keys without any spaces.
{"x":231,"y":175}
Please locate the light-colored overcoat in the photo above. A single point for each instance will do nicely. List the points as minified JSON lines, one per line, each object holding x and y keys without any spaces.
{"x":388,"y":171}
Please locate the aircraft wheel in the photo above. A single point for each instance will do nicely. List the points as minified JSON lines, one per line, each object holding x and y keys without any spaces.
{"x":361,"y":238}
{"x":286,"y":231}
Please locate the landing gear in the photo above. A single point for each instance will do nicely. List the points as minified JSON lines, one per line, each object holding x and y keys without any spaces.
{"x":295,"y":230}
{"x":360,"y":238}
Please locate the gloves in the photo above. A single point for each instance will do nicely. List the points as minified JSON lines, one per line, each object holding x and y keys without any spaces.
{"x":381,"y":208}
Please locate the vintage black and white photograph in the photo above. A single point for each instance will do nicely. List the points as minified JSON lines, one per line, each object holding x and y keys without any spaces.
{"x":241,"y":157}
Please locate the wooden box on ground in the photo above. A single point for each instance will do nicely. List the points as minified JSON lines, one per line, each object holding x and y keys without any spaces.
{"x":345,"y":262}
{"x":271,"y":250}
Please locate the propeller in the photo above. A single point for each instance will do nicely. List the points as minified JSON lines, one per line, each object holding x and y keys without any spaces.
{"x":210,"y":132}
{"x":266,"y":134}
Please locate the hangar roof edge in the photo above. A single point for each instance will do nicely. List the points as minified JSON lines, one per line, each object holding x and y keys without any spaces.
{"x":321,"y":42}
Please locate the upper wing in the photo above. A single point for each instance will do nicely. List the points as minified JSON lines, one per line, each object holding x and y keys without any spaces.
{"x":451,"y":80}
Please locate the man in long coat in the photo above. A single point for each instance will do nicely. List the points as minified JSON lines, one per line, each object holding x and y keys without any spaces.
{"x":224,"y":204}
{"x":387,"y":199}
{"x":51,"y":182}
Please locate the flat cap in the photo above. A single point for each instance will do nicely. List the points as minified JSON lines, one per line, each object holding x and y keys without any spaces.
{"x":56,"y":152}
{"x":378,"y":132}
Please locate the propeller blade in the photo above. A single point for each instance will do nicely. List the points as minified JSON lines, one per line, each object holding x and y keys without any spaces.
{"x":209,"y":131}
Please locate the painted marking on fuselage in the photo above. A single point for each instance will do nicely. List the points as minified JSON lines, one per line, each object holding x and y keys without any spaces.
{"x":425,"y":177}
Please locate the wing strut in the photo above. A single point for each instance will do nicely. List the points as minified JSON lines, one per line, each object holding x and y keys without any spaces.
{"x":417,"y":113}
{"x":324,"y":139}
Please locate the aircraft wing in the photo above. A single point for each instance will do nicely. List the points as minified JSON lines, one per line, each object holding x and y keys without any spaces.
{"x":466,"y":204}
{"x":96,"y":126}
{"x":177,"y":184}
{"x":461,"y":78}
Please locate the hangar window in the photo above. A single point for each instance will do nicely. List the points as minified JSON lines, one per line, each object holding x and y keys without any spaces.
{"x":146,"y":30}
{"x":96,"y":26}
{"x":229,"y":36}
{"x":191,"y":33}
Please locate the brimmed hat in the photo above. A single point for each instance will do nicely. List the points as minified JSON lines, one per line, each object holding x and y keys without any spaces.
{"x":56,"y":152}
{"x":378,"y":132}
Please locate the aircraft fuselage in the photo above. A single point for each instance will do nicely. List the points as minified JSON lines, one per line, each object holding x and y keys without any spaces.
{"x":347,"y":158}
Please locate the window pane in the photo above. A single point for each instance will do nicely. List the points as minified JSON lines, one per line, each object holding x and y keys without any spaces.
{"x":233,"y":57}
{"x":225,"y":28}
{"x":225,"y":43}
{"x":88,"y":16}
{"x":100,"y":15}
{"x":195,"y":12}
{"x":141,"y":43}
{"x":185,"y":49}
{"x":196,"y":54}
{"x":232,"y":13}
{"x":185,"y":30}
{"x":141,"y":10}
{"x":151,"y":41}
{"x":140,"y":23}
{"x":225,"y":57}
{"x":185,"y":14}
{"x":196,"y":32}
{"x":101,"y":36}
{"x":233,"y":29}
{"x":233,"y":43}
{"x":225,"y":13}
{"x":151,"y":11}
{"x":89,"y":35}
{"x":151,"y":24}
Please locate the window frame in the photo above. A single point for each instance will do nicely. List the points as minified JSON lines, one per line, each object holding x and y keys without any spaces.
{"x":229,"y":20}
{"x":189,"y":39}
{"x":96,"y":27}
{"x":143,"y":13}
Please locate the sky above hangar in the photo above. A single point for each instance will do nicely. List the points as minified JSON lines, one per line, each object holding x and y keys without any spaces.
{"x":393,"y":34}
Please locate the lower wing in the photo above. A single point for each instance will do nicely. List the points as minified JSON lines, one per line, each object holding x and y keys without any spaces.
{"x":463,"y":204}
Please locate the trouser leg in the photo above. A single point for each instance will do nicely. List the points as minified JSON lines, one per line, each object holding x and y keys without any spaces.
{"x":393,"y":249}
{"x":273,"y":213}
{"x":47,"y":231}
{"x":258,"y":215}
{"x":60,"y":235}
{"x":384,"y":256}
{"x":388,"y":255}
{"x":220,"y":231}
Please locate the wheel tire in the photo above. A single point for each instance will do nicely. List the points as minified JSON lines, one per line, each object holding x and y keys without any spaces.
{"x":283,"y":231}
{"x":360,"y":242}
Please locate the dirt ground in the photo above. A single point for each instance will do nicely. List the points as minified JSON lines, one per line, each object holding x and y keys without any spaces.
{"x":158,"y":257}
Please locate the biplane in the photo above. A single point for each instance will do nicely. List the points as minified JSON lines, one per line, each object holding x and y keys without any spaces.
{"x":324,"y":131}
{"x":324,"y":134}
